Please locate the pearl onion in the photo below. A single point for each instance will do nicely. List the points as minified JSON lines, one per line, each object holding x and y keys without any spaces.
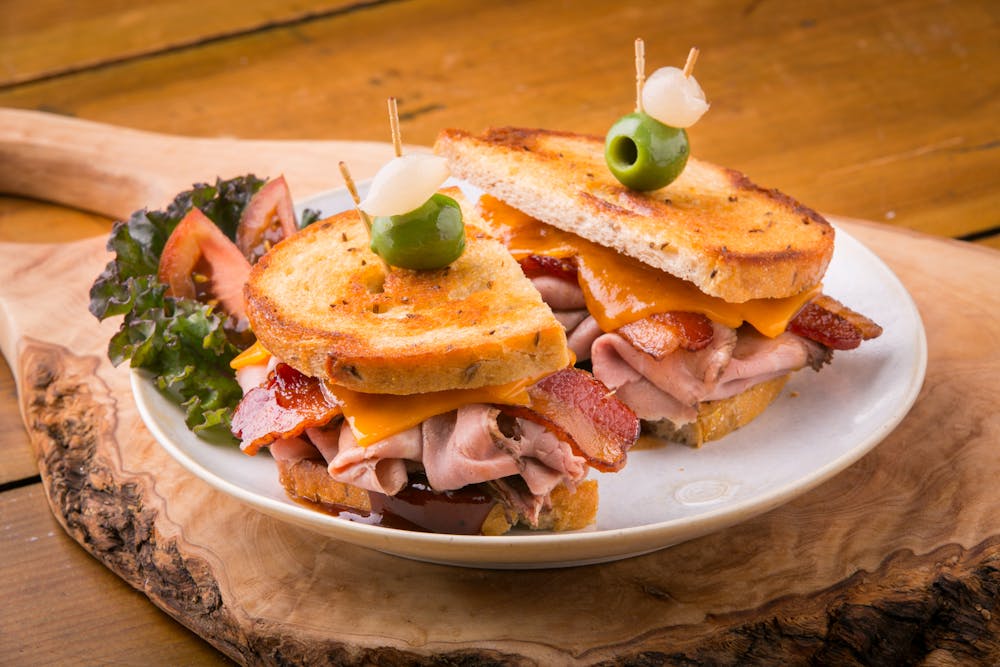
{"x":672,"y":98}
{"x":405,"y":183}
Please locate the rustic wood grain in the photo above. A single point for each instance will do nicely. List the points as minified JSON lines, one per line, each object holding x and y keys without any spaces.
{"x":53,"y":38}
{"x":114,"y":171}
{"x":17,"y":461}
{"x":90,"y":597}
{"x":882,"y":111}
{"x":894,"y":560}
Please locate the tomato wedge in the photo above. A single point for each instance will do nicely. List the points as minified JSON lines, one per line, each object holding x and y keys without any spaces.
{"x":268,"y":218}
{"x":200,"y":262}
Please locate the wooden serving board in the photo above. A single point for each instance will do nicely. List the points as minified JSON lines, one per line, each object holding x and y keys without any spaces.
{"x":895,"y":560}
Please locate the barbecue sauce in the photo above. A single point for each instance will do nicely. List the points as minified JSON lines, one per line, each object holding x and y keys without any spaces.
{"x":419,"y":508}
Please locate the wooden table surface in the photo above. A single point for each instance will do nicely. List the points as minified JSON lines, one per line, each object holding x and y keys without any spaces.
{"x":881,"y":111}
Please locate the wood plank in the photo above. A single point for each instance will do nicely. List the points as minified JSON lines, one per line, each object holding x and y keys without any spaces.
{"x":881,"y":111}
{"x":51,"y":38}
{"x":31,"y":221}
{"x":990,"y":241}
{"x":87,"y":600}
{"x":115,"y":171}
{"x":17,"y":460}
{"x":19,"y":222}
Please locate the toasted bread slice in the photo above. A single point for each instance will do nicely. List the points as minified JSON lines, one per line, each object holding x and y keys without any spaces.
{"x":324,"y":303}
{"x":719,"y":418}
{"x":712,"y":226}
{"x":309,"y":480}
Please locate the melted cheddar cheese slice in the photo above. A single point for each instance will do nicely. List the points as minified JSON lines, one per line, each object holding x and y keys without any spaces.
{"x":374,"y":417}
{"x":619,"y":289}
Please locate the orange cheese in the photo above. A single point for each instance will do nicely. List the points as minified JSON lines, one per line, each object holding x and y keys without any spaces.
{"x":253,"y":355}
{"x":619,"y":289}
{"x":374,"y":417}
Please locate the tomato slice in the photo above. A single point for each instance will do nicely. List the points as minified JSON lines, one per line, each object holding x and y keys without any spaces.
{"x":200,"y":262}
{"x":268,"y":218}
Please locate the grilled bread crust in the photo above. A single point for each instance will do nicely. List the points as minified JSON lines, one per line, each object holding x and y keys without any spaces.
{"x":322,"y":302}
{"x":719,"y":418}
{"x":712,"y":226}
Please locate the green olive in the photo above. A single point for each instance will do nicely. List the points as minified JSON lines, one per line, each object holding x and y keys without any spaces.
{"x":431,"y":236}
{"x":643,"y":153}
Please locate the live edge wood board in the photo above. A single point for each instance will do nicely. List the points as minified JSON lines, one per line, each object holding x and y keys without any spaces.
{"x":894,"y":561}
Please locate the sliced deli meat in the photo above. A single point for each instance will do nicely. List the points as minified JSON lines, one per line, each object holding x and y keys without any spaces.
{"x":380,"y":467}
{"x":673,"y":386}
{"x":574,"y":424}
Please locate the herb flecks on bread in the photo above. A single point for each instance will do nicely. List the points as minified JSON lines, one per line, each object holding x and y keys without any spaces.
{"x":475,"y":323}
{"x":711,"y":226}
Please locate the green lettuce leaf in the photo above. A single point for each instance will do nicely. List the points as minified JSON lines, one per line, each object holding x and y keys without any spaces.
{"x":180,"y":341}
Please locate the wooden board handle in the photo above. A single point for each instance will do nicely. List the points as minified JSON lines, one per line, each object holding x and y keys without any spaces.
{"x":114,"y":170}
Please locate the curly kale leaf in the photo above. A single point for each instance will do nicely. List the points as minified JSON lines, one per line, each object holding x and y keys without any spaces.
{"x":180,"y":341}
{"x":309,"y":216}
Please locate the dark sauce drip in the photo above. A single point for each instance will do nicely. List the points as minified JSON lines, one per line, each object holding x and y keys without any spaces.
{"x":420,"y":508}
{"x":459,"y":512}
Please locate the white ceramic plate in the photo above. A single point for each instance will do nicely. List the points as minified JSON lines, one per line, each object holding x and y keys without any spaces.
{"x":822,"y":423}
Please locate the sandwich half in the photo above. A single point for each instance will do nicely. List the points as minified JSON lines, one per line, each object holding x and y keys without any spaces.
{"x":694,"y":302}
{"x":442,"y":400}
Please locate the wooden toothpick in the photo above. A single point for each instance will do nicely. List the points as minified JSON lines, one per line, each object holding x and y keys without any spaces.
{"x":692,"y":59}
{"x":397,"y":142}
{"x":349,"y":182}
{"x":640,"y":71}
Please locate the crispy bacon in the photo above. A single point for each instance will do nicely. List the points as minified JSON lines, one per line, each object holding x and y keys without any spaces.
{"x":579,"y":408}
{"x":267,"y":219}
{"x":534,"y":266}
{"x":827,"y":321}
{"x":283,"y":407}
{"x":661,"y":333}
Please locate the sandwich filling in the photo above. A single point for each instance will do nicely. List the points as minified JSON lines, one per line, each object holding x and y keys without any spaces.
{"x":520,"y":448}
{"x":660,"y":343}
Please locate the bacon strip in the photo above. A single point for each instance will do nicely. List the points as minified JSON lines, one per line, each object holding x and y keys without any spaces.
{"x":661,"y":333}
{"x":534,"y":266}
{"x":283,"y":407}
{"x":827,"y":321}
{"x":599,"y":426}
